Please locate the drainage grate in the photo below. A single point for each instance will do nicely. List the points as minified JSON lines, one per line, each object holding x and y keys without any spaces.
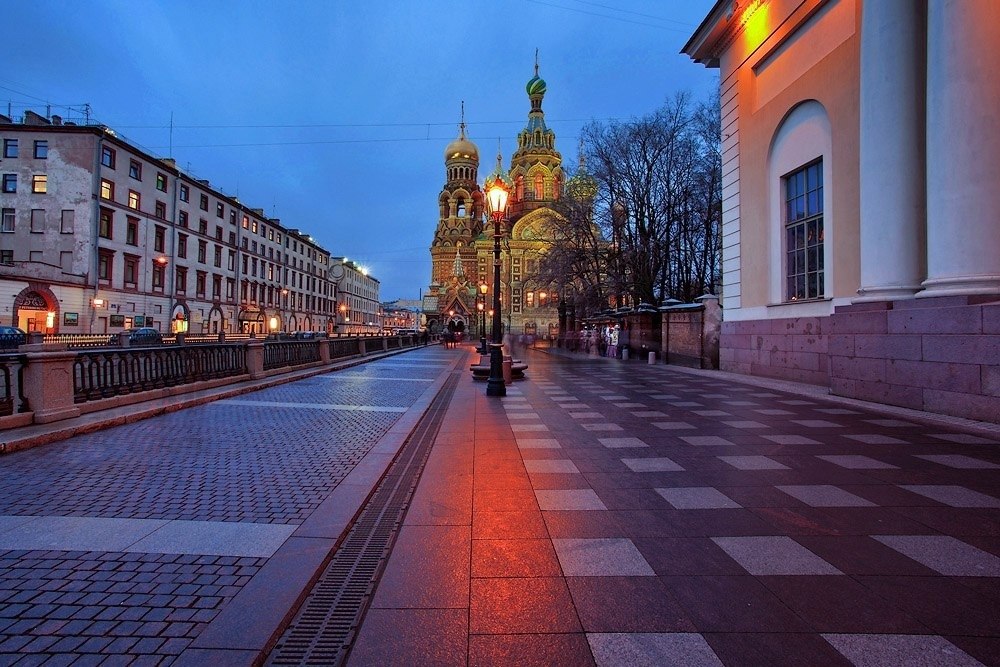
{"x":324,"y":627}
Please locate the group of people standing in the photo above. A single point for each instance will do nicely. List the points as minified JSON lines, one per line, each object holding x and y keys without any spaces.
{"x":610,"y":340}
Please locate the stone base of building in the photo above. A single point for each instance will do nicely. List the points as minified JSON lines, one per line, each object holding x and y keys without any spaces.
{"x":940,"y":355}
{"x":785,"y":349}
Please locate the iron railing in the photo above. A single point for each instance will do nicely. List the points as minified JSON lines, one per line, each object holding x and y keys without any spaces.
{"x":12,"y":398}
{"x":112,"y":372}
{"x":278,"y":354}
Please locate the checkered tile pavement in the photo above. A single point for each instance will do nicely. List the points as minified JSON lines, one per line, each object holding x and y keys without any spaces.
{"x":611,"y":514}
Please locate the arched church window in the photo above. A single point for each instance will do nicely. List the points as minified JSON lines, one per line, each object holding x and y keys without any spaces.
{"x":539,"y":186}
{"x":460,"y":210}
{"x":519,"y":188}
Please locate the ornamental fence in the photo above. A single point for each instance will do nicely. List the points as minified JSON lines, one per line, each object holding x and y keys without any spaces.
{"x":46,"y":381}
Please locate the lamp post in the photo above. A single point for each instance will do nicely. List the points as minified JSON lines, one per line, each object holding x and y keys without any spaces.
{"x":483,"y":289}
{"x":497,"y":192}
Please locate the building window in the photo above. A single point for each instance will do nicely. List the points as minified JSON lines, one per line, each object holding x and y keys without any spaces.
{"x":182,"y":245}
{"x":131,"y":272}
{"x":10,"y":182}
{"x":218,"y":233}
{"x":232,"y":217}
{"x":7,"y":221}
{"x":160,"y":210}
{"x":159,"y":276}
{"x":132,"y":230}
{"x":6,"y":256}
{"x":159,"y":238}
{"x":539,"y":186}
{"x":105,"y":224}
{"x":804,"y":233}
{"x":107,"y":189}
{"x":161,"y":182}
{"x":134,"y":200}
{"x":199,"y":284}
{"x":41,"y":149}
{"x":185,"y":193}
{"x":108,"y":157}
{"x":203,"y":226}
{"x":180,"y":280}
{"x":105,"y":264}
{"x":216,"y":287}
{"x":39,"y":184}
{"x":37,"y":220}
{"x":202,"y":251}
{"x":203,"y":203}
{"x":67,"y":223}
{"x":246,"y":222}
{"x":220,"y":210}
{"x":182,"y":219}
{"x":218,"y":256}
{"x":10,"y":147}
{"x":135,"y":169}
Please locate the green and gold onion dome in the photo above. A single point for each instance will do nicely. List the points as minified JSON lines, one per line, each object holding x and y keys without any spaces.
{"x":536,"y":86}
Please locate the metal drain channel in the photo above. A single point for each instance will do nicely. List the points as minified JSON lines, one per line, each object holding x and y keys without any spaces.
{"x":324,"y":627}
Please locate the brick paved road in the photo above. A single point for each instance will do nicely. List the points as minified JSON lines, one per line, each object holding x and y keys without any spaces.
{"x":124,"y":544}
{"x":617,"y":513}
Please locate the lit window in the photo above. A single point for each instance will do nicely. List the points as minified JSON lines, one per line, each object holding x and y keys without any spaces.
{"x":804,"y":233}
{"x":39,"y":184}
{"x":107,"y":189}
{"x":134,"y":200}
{"x":41,"y":149}
{"x":135,"y":169}
{"x":10,"y":147}
{"x":539,"y":186}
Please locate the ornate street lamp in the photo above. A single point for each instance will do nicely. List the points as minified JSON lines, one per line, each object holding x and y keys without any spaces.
{"x":497,"y":192}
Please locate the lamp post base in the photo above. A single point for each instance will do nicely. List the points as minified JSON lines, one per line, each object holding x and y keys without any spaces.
{"x":495,"y":385}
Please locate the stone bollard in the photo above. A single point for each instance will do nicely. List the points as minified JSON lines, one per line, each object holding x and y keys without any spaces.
{"x":652,"y":358}
{"x":48,"y":385}
{"x":324,"y":350}
{"x":508,"y":372}
{"x":624,"y":354}
{"x":255,"y":358}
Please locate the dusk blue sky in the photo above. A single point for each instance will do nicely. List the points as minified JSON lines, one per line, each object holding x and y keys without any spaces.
{"x":333,"y":116}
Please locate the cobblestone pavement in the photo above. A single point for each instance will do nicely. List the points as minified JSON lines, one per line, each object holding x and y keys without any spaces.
{"x":623,"y":514}
{"x":125,"y":544}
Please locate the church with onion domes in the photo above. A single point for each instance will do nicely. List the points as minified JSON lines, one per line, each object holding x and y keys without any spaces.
{"x":462,"y":248}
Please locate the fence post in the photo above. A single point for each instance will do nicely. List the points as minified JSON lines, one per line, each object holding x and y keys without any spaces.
{"x":711,"y":328}
{"x":324,"y":349}
{"x":255,"y":358}
{"x":48,"y":386}
{"x":362,"y":348}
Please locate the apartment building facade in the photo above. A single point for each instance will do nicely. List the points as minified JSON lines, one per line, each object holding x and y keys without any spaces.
{"x":98,"y":235}
{"x":358,"y":307}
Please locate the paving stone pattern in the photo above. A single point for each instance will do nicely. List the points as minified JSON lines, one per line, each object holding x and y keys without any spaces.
{"x":225,"y":461}
{"x":744,"y":526}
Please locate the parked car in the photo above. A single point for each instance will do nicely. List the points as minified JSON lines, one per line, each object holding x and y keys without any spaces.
{"x":138,"y":336}
{"x":12,"y":337}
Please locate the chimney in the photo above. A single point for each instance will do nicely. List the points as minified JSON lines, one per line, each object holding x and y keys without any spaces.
{"x":169,"y":161}
{"x":56,"y":120}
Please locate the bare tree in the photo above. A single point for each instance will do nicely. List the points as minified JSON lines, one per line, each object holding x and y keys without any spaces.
{"x":657,"y":202}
